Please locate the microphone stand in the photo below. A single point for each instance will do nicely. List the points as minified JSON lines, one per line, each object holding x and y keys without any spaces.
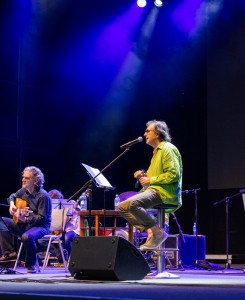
{"x":182,"y":237}
{"x":104,"y":229}
{"x":194,"y":191}
{"x":178,"y":225}
{"x":88,"y":193}
{"x":196,"y":215}
{"x":227,"y":201}
{"x":89,"y":184}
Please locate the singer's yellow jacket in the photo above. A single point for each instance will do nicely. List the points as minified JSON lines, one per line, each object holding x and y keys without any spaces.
{"x":165,"y":172}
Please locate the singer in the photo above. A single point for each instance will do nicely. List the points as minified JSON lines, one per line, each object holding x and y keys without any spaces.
{"x":161,"y":183}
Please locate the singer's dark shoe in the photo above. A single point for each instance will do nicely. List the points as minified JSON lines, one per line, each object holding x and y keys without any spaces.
{"x":154,"y":241}
{"x":32,"y":269}
{"x":10,"y":256}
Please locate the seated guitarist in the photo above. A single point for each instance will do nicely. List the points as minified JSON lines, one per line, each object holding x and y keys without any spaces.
{"x":30,"y":223}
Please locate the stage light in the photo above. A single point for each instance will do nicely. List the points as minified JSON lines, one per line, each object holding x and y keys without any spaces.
{"x":141,"y":3}
{"x":158,"y":3}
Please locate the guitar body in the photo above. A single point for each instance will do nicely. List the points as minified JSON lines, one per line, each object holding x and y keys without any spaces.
{"x":21,"y":206}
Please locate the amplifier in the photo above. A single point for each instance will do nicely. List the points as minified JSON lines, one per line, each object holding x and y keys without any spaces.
{"x":193,"y":249}
{"x":179,"y":251}
{"x":172,"y":245}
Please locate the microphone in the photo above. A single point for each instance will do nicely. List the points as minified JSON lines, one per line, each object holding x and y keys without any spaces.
{"x":129,"y":144}
{"x":242,"y":191}
{"x":137,"y":183}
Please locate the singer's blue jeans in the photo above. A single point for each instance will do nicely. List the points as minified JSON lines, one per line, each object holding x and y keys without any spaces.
{"x":29,"y":236}
{"x":134,"y":209}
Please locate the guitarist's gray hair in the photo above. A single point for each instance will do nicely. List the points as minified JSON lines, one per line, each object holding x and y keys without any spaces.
{"x":37,"y":175}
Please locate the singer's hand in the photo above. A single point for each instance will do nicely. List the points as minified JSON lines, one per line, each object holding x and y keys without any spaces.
{"x":144,"y":181}
{"x":139,"y":174}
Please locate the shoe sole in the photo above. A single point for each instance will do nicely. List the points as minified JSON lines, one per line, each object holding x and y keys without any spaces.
{"x":32,"y":272}
{"x":8,"y":260}
{"x":142,"y":248}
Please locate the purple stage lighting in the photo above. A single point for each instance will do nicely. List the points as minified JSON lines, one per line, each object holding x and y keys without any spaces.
{"x":141,"y":3}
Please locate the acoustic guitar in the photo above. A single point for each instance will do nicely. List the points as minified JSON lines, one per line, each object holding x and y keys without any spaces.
{"x":22,"y":209}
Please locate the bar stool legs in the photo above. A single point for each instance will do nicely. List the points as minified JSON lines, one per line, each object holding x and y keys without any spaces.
{"x":161,"y":252}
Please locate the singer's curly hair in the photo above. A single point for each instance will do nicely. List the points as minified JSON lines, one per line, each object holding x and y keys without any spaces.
{"x":37,"y":175}
{"x":161,"y":128}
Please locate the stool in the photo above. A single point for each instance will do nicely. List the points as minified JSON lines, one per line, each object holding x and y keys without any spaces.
{"x":161,"y":208}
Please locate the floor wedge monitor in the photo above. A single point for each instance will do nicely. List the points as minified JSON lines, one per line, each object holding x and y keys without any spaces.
{"x":106,"y":258}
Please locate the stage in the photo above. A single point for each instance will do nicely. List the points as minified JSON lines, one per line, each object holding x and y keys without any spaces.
{"x":55,"y":283}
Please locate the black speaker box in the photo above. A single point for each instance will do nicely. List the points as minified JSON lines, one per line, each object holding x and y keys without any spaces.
{"x":106,"y":258}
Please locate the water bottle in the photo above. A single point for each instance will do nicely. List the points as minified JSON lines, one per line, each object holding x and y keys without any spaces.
{"x":86,"y":231}
{"x":83,"y":201}
{"x":116,"y":202}
{"x":194,"y":228}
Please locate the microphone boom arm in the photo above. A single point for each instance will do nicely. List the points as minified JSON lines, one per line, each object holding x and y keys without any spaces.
{"x":92,"y":179}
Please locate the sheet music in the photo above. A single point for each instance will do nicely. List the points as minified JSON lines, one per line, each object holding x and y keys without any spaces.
{"x":61,"y":204}
{"x":100,"y":180}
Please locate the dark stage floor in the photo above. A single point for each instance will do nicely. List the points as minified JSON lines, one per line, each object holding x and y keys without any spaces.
{"x":55,"y":283}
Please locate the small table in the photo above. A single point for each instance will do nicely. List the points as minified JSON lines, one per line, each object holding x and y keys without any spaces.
{"x":102,"y":213}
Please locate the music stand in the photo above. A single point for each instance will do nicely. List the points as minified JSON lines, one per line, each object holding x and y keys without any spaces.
{"x":98,"y":178}
{"x":101,"y":182}
{"x":4,"y":266}
{"x":88,"y":183}
{"x":62,"y":204}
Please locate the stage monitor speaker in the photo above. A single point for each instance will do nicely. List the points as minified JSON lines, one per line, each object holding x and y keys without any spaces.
{"x":106,"y":258}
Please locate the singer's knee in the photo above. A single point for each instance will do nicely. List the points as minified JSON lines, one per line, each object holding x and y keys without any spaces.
{"x":121,"y":207}
{"x":126,"y":206}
